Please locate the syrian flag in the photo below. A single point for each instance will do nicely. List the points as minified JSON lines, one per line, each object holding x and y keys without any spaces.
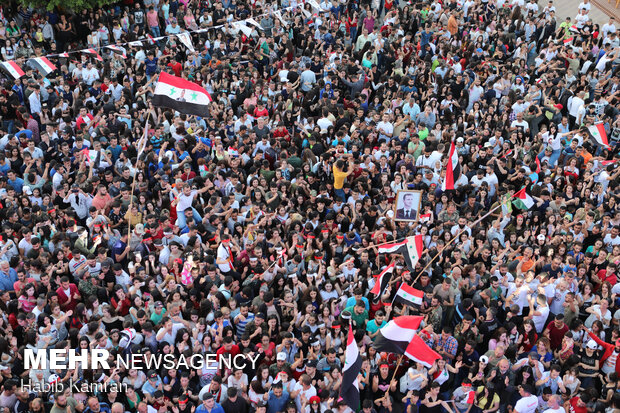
{"x":396,"y":335}
{"x":13,"y":69}
{"x":382,"y":280}
{"x":181,"y":95}
{"x":419,"y":351}
{"x":425,"y":217}
{"x":349,"y":388}
{"x":411,"y":249}
{"x":605,"y":163}
{"x":409,"y":295}
{"x":65,"y":54}
{"x":453,"y":169}
{"x":522,"y":200}
{"x":42,"y":64}
{"x":137,"y":43}
{"x":567,"y":41}
{"x":151,"y":39}
{"x":574,"y":28}
{"x":471,"y":397}
{"x":118,"y":50}
{"x":598,"y":134}
{"x":234,"y":152}
{"x":93,"y":53}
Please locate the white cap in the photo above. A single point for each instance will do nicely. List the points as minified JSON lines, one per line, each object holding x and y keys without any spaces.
{"x":460,"y":139}
{"x":592,"y":345}
{"x":281,"y":356}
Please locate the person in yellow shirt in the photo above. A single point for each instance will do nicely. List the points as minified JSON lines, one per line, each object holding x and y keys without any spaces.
{"x":339,"y":176}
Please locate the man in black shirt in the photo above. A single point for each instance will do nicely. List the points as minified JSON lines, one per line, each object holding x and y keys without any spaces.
{"x":234,"y":403}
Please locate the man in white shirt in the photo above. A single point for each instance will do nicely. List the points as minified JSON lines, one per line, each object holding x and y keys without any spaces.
{"x":609,"y":27}
{"x":582,"y":18}
{"x":184,"y":201}
{"x":555,"y":406}
{"x":385,"y":128}
{"x":540,"y":313}
{"x":303,"y":387}
{"x":492,"y":180}
{"x":90,"y":74}
{"x":532,"y":6}
{"x":35,"y":100}
{"x":573,"y":107}
{"x":585,"y":4}
{"x":519,"y":122}
{"x":528,"y":403}
{"x":599,"y":312}
{"x":549,"y":8}
{"x":517,"y":294}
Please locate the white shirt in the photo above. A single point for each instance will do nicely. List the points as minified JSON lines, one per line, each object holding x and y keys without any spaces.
{"x":575,"y":103}
{"x":581,"y":20}
{"x":597,"y":311}
{"x":608,"y":28}
{"x":185,"y":201}
{"x":539,"y":320}
{"x":385,"y":128}
{"x":521,"y":297}
{"x":170,"y":337}
{"x":586,"y":6}
{"x":307,"y":393}
{"x":527,"y":404}
{"x":224,"y":254}
{"x":90,"y":76}
{"x":324,"y":123}
{"x":609,"y":365}
{"x":492,"y":181}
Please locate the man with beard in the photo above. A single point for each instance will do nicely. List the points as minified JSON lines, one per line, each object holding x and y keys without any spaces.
{"x":214,"y":390}
{"x":64,"y":404}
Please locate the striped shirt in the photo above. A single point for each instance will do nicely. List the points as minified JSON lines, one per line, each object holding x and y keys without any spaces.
{"x":242,"y":323}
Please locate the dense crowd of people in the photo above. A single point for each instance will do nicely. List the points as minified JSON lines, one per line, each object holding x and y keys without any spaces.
{"x":254,"y":230}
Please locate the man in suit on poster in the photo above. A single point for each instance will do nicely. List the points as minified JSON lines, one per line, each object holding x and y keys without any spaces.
{"x":408,"y":211}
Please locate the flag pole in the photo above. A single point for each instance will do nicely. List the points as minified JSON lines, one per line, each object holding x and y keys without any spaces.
{"x":133,"y":182}
{"x":454,"y":239}
{"x":395,"y":370}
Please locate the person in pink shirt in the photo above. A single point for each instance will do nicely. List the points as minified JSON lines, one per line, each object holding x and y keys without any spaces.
{"x":152,"y":20}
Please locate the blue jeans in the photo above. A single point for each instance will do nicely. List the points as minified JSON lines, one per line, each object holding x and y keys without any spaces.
{"x":353,"y":34}
{"x":155,"y":31}
{"x":182,"y":222}
{"x":553,"y":159}
{"x":9,"y":126}
{"x":340,"y":194}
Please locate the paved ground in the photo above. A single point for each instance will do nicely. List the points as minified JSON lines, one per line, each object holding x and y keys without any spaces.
{"x":601,"y":9}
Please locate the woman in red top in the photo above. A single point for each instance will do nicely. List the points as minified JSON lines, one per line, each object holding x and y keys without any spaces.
{"x":528,"y":337}
{"x":352,"y":22}
{"x":120,"y":302}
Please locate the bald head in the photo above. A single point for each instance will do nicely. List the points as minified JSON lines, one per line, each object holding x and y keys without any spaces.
{"x":117,"y":408}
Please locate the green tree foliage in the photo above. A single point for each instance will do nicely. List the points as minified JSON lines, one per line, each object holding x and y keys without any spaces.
{"x":66,"y":5}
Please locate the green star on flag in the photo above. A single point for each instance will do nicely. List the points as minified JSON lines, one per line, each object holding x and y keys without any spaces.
{"x":181,"y":95}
